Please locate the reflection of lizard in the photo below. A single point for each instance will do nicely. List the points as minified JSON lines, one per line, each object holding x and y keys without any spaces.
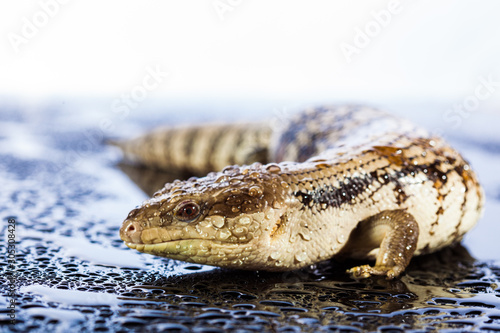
{"x":363,"y":184}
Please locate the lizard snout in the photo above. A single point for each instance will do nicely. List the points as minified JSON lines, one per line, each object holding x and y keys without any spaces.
{"x":131,"y":231}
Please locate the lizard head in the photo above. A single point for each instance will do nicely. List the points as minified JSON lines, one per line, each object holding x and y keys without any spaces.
{"x":221,"y":219}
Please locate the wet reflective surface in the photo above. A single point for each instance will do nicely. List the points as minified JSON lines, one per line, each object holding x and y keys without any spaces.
{"x":68,"y":194}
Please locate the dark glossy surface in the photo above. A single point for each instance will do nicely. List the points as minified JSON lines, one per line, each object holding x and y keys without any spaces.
{"x":69,"y":196}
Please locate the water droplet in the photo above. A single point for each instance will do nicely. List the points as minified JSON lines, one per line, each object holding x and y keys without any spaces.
{"x":223,"y":234}
{"x":255,"y":191}
{"x":273,"y":168}
{"x":244,"y":220}
{"x":305,"y":236}
{"x":240,"y":231}
{"x":230,"y":168}
{"x":234,"y":181}
{"x":275,"y":255}
{"x":218,"y":221}
{"x":302,"y":256}
{"x":221,"y":179}
{"x":341,"y":238}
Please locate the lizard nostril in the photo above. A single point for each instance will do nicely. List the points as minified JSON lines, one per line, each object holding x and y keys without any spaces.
{"x":131,"y":232}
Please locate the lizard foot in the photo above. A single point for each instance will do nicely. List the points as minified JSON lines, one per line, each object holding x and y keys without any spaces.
{"x":395,"y":233}
{"x":365,"y":271}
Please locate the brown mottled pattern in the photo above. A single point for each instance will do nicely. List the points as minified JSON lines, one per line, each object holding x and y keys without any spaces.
{"x":199,"y":149}
{"x":349,"y":181}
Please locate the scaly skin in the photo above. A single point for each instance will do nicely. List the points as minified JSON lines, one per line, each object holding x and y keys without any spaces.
{"x":364,"y":185}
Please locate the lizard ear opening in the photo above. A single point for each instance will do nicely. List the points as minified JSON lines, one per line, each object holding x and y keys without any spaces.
{"x":279,"y":227}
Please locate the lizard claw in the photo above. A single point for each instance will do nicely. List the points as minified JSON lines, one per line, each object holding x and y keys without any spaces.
{"x":365,"y":271}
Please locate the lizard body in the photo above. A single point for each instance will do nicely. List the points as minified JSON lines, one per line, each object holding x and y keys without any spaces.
{"x":334,"y":181}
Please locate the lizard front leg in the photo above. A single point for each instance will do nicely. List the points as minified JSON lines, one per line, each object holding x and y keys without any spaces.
{"x":395,"y":233}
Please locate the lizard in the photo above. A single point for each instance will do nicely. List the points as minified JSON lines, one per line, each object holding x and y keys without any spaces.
{"x":333,"y":181}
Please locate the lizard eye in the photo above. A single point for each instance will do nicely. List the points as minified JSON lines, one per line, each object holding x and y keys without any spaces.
{"x":187,"y":211}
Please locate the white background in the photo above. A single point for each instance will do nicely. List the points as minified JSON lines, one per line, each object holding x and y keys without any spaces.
{"x":429,"y":49}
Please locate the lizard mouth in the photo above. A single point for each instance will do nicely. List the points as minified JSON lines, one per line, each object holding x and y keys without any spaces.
{"x":193,"y":250}
{"x":169,"y":247}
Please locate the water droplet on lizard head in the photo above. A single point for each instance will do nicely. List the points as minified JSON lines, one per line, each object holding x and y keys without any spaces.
{"x":234,"y":181}
{"x":273,"y":168}
{"x":245,"y":220}
{"x":230,"y":169}
{"x":223,"y":234}
{"x":221,"y":179}
{"x":240,"y":231}
{"x":218,"y":221}
{"x":255,"y":191}
{"x":276,"y":204}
